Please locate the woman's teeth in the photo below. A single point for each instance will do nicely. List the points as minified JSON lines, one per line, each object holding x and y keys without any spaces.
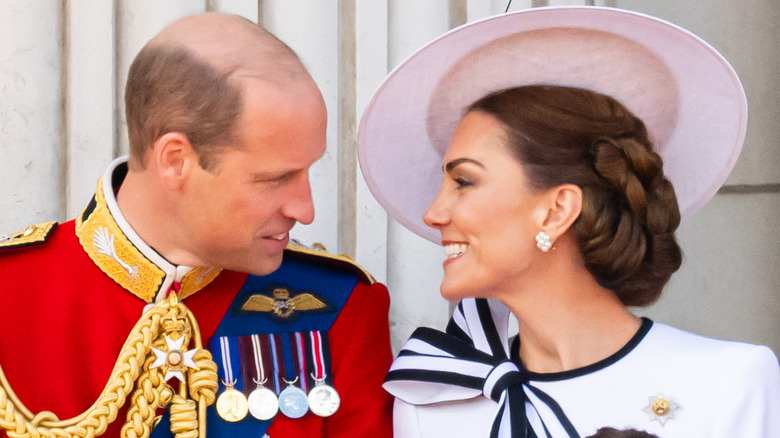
{"x":455,"y":249}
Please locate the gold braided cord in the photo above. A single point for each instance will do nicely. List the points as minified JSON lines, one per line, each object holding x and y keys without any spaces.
{"x":203,"y":381}
{"x":143,"y":405}
{"x":149,"y":388}
{"x":20,"y":422}
{"x":184,"y":418}
{"x":132,"y":370}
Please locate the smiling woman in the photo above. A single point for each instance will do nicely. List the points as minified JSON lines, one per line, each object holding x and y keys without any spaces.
{"x":484,"y":189}
{"x":575,"y":140}
{"x":572,"y":141}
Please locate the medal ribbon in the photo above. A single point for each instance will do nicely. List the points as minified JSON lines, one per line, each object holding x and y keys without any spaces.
{"x":469,"y":360}
{"x":259,"y":359}
{"x":298,"y":344}
{"x":229,"y":350}
{"x":316,"y":354}
{"x":319,"y":355}
{"x":279,"y":372}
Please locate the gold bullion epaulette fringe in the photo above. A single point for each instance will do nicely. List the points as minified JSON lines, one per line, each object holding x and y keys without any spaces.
{"x":32,"y":235}
{"x":319,"y":252}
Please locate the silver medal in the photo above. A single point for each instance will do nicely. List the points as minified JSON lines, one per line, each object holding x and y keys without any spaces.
{"x":324,"y":400}
{"x":293,"y":403}
{"x":263,"y":404}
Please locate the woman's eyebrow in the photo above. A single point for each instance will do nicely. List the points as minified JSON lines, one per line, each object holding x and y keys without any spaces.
{"x":458,"y":161}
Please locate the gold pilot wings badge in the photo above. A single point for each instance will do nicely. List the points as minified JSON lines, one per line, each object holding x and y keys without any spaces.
{"x":284,"y":304}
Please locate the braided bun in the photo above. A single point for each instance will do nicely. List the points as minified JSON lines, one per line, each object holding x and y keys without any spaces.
{"x":625,"y":231}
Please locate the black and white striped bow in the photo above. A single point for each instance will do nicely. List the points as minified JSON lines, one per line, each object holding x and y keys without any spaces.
{"x":472,"y":359}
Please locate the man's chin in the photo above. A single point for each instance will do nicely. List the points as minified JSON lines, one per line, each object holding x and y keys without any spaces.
{"x":264,"y":265}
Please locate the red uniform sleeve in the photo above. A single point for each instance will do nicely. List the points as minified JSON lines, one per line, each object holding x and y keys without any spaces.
{"x":360,"y":357}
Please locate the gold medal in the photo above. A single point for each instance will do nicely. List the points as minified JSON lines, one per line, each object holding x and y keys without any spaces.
{"x":232,"y":405}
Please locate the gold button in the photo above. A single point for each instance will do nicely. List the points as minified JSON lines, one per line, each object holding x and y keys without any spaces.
{"x":660,"y":406}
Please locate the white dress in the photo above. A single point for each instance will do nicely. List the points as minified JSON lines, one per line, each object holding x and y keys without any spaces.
{"x":714,"y":389}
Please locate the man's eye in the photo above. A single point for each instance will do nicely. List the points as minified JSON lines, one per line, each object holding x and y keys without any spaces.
{"x":276,"y":180}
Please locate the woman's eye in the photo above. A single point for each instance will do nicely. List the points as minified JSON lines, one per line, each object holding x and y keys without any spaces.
{"x":462,"y":182}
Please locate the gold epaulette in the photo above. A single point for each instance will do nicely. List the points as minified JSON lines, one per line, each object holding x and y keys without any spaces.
{"x":32,"y":235}
{"x":318,"y":252}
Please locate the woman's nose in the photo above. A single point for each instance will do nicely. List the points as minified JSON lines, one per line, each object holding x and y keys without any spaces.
{"x":436,"y":215}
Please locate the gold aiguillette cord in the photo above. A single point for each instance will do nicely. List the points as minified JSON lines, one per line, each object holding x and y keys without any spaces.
{"x":140,"y":365}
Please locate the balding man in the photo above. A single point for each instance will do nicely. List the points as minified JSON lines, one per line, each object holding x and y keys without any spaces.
{"x":176,"y":288}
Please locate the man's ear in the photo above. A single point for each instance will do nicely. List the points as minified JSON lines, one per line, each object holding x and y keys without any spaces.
{"x":564,"y":205}
{"x":174,"y":157}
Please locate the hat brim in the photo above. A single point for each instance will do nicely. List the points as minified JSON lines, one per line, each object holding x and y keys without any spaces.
{"x":688,"y":95}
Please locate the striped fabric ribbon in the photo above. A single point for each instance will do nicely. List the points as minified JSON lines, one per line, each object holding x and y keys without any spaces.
{"x":470,"y":360}
{"x":317,"y":356}
{"x":228,"y":367}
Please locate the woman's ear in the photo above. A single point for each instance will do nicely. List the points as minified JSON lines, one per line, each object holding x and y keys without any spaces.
{"x":173,"y":155}
{"x":564,"y":207}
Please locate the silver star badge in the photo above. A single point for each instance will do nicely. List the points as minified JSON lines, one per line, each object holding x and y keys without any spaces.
{"x":174,"y":360}
{"x":661,"y":408}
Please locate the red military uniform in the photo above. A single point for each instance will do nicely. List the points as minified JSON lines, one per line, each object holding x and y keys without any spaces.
{"x":71,"y":293}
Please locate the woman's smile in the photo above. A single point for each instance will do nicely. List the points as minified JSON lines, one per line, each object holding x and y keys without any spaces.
{"x":453,"y":250}
{"x":487,"y":214}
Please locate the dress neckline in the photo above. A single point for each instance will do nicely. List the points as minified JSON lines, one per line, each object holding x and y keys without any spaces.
{"x":588,"y":369}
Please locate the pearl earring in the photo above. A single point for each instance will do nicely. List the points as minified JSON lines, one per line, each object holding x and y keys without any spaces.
{"x":543,"y":241}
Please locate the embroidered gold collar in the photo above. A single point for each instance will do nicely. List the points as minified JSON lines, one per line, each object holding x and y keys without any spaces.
{"x":115,"y":248}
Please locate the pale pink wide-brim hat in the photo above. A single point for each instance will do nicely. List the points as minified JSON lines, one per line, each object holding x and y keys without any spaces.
{"x":688,"y":95}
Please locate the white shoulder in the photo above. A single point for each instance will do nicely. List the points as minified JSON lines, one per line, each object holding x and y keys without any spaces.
{"x":757,"y":387}
{"x":745,"y":377}
{"x":731,"y":361}
{"x":691,"y":345}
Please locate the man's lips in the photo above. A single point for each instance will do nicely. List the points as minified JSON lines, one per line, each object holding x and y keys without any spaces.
{"x":281,"y":236}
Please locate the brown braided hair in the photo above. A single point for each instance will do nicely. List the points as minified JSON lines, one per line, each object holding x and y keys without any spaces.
{"x":565,"y":135}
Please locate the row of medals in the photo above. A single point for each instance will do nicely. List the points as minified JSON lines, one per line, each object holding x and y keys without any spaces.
{"x":263,"y":404}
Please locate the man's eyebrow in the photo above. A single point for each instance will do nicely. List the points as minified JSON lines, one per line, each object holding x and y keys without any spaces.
{"x":458,"y":161}
{"x":268,"y":176}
